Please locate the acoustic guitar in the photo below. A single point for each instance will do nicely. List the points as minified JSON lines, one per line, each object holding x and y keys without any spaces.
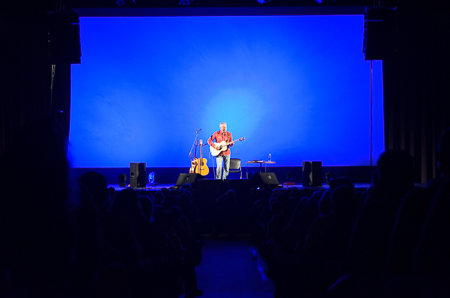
{"x":223,"y":147}
{"x":198,"y":165}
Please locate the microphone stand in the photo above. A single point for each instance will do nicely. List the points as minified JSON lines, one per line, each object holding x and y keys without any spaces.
{"x":193,"y":144}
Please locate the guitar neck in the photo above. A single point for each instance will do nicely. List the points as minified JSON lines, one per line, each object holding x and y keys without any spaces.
{"x":233,"y":142}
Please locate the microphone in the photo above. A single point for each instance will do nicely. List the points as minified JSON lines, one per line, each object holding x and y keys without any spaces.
{"x":198,"y":130}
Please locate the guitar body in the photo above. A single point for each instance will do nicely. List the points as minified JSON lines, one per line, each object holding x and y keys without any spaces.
{"x":194,"y":165}
{"x":198,"y":165}
{"x":223,"y":147}
{"x":202,"y":168}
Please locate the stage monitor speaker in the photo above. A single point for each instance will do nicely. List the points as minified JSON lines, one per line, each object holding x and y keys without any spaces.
{"x":267,"y":178}
{"x":312,"y":173}
{"x":138,"y":179}
{"x":187,"y":178}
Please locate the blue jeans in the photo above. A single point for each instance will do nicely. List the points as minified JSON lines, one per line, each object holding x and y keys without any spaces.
{"x":226,"y":161}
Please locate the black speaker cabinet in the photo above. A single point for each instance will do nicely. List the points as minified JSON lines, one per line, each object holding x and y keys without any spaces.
{"x":267,"y":178}
{"x":312,"y":173}
{"x":138,"y":179}
{"x":187,"y":178}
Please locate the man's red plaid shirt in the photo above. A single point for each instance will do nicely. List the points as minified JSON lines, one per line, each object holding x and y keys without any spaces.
{"x":220,"y":136}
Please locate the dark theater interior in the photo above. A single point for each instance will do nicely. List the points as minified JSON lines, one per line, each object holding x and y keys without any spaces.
{"x":224,"y":148}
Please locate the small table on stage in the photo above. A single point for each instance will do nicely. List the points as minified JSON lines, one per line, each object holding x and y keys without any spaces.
{"x":261,"y":162}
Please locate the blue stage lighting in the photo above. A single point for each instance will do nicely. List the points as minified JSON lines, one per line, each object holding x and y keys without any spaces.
{"x":299,"y":89}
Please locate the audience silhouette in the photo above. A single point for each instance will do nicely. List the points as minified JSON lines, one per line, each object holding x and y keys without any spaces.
{"x":61,"y":240}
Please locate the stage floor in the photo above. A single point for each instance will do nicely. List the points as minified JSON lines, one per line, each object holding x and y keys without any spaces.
{"x":159,"y":187}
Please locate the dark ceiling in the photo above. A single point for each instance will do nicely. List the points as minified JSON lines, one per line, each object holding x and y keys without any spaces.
{"x":221,"y":3}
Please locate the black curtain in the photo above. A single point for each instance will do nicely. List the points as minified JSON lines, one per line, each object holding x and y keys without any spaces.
{"x":416,"y":80}
{"x":26,"y":70}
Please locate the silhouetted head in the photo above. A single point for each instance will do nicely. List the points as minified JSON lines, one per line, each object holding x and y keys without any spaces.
{"x":177,"y":213}
{"x":186,"y":187}
{"x":394,"y":175}
{"x":170,"y":201}
{"x":341,"y":181}
{"x":185,"y":198}
{"x":343,"y":201}
{"x":95,"y":185}
{"x":283,"y":198}
{"x":159,"y":198}
{"x":231,"y":195}
{"x":276,"y":208}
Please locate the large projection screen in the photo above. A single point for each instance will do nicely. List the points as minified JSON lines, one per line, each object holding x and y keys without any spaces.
{"x":295,"y":87}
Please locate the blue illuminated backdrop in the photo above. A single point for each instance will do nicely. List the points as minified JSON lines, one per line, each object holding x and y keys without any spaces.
{"x":294,"y":86}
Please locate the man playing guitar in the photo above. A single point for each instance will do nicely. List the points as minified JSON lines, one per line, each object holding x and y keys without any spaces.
{"x":224,"y":156}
